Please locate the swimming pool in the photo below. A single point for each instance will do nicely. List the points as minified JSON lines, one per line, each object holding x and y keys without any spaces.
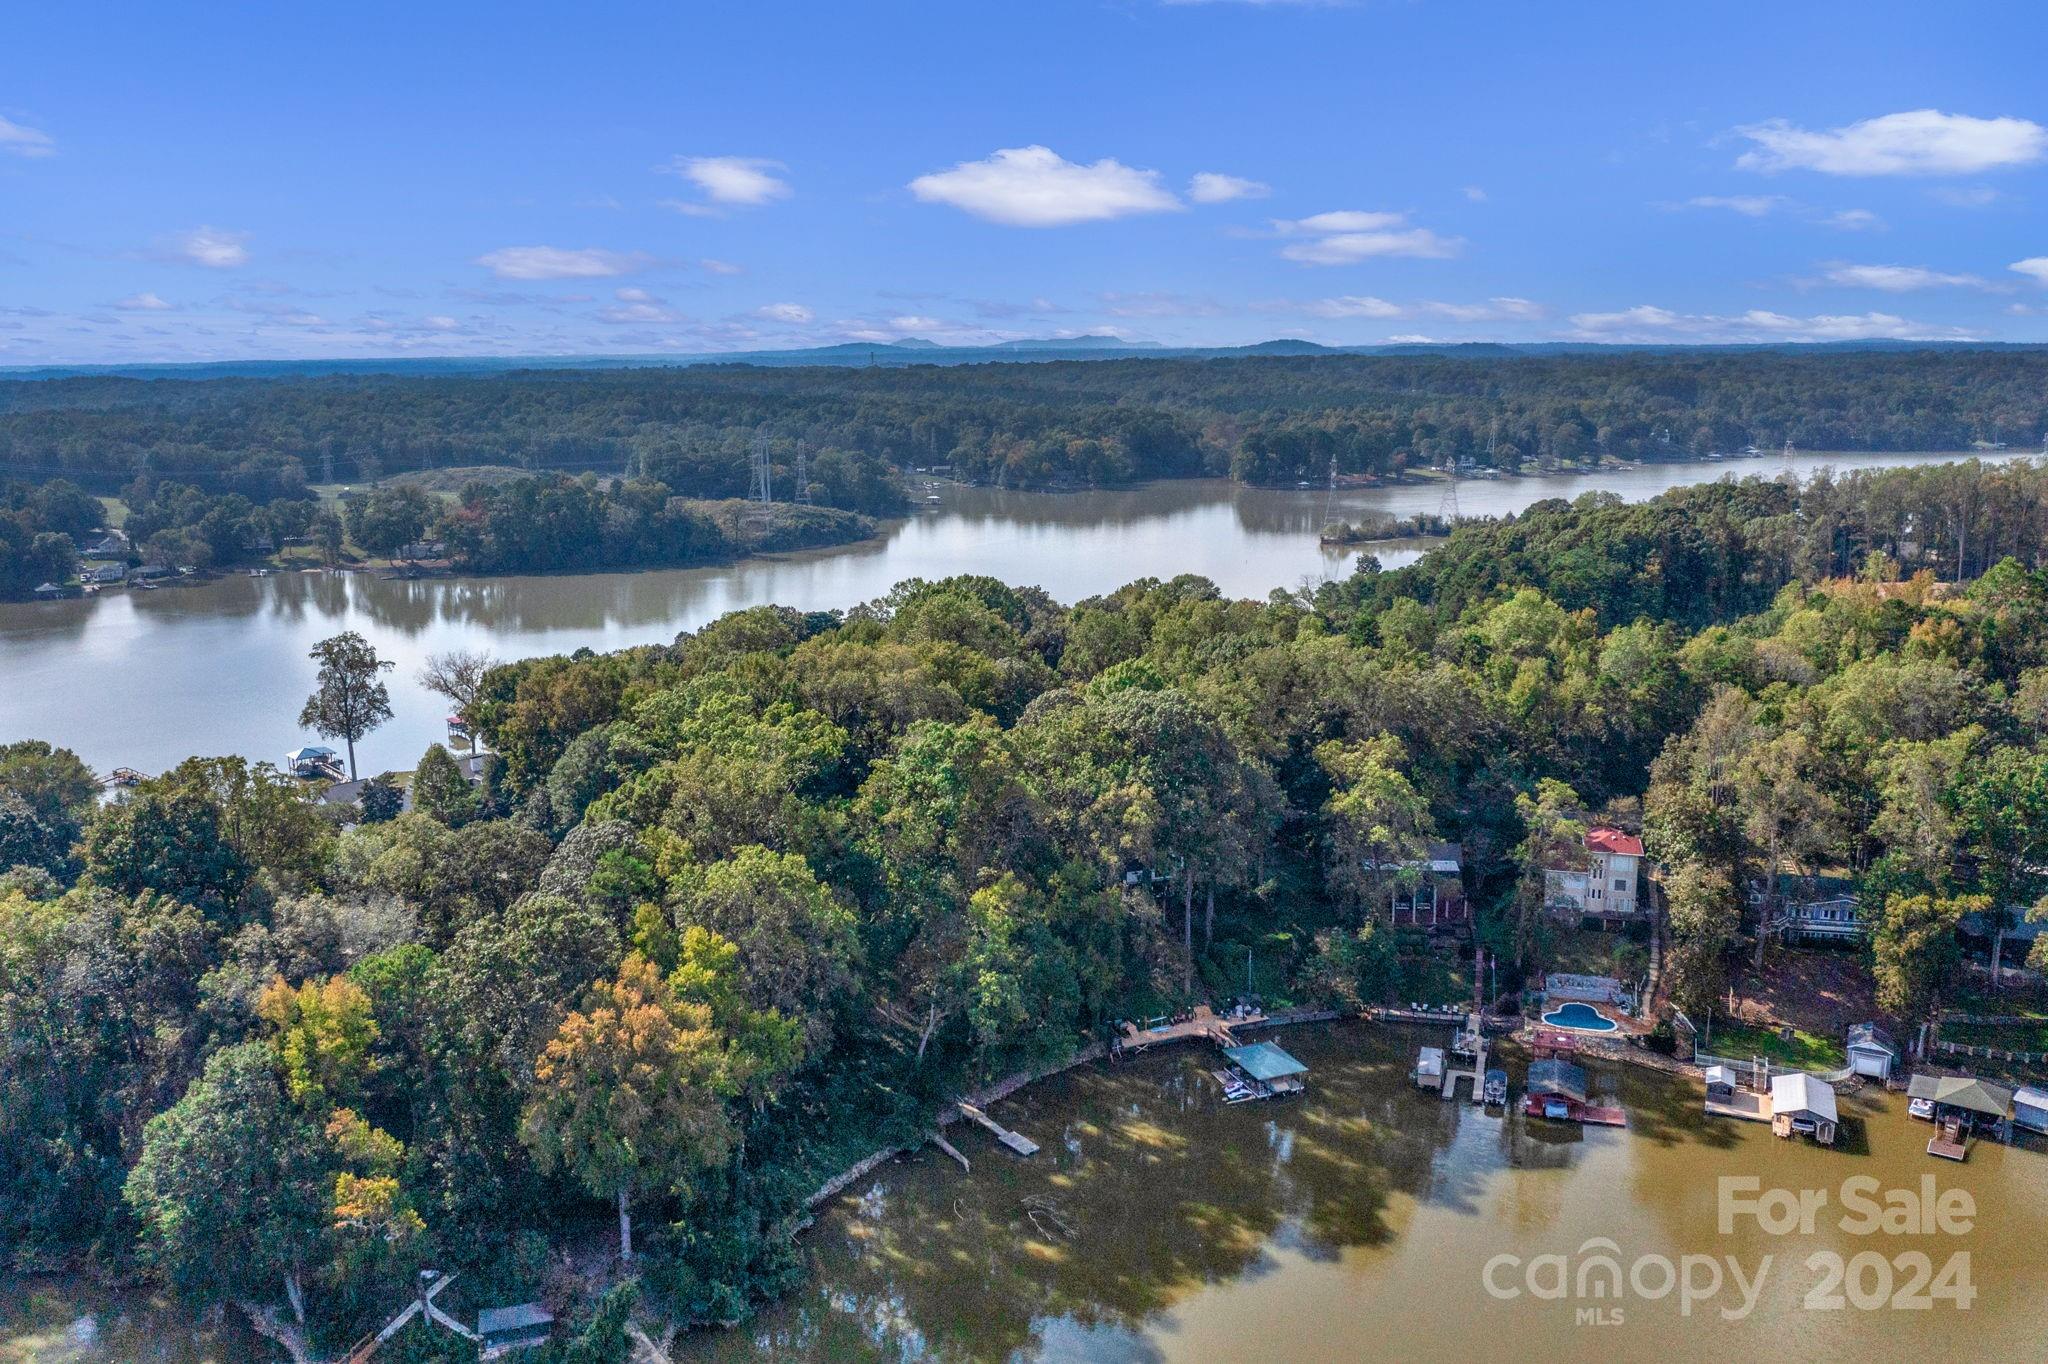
{"x":1583,"y":1017}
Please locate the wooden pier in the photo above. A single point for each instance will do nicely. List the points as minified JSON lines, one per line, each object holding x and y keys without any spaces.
{"x":1016,"y":1141}
{"x":1204,"y":1025}
{"x":1467,"y":1060}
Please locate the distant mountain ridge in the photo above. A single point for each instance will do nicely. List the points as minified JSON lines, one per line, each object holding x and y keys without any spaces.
{"x":920,"y":351}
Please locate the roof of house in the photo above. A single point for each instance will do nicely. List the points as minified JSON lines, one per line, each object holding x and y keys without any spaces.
{"x":1720,"y":1075}
{"x":2030,"y":1096}
{"x":1870,"y":1035}
{"x":1557,"y":1077}
{"x":1264,"y":1061}
{"x":1802,"y":1093}
{"x":1961,"y":1091}
{"x":1614,"y":841}
{"x":2021,"y":930}
{"x":1430,"y":1060}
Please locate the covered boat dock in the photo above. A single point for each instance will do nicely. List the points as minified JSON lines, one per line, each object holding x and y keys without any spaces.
{"x":1261,"y":1070}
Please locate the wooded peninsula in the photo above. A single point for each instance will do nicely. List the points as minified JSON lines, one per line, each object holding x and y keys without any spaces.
{"x":724,"y":916}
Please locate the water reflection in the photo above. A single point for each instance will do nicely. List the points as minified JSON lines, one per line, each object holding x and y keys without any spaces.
{"x":1352,"y":1224}
{"x":144,"y":679}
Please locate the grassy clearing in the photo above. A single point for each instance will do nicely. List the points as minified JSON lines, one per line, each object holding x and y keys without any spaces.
{"x":1805,"y":1050}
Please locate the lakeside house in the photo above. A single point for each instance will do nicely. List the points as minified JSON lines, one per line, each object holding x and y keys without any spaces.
{"x":1609,"y":889}
{"x":1810,"y":908}
{"x":1872,"y":1052}
{"x":104,"y":575}
{"x":1805,"y":1106}
{"x":1430,"y":892}
{"x":111,"y":544}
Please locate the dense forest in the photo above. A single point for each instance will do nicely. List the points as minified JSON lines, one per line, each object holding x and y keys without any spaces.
{"x":1267,"y":419}
{"x":725,"y":915}
{"x":521,"y":524}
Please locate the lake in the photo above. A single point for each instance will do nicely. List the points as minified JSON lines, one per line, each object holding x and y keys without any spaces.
{"x":146,"y":679}
{"x":1158,"y":1224}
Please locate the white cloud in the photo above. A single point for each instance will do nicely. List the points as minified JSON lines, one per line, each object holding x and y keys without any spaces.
{"x":1349,"y":236}
{"x":1918,"y":142}
{"x":719,"y":267}
{"x":622,"y":313}
{"x":441,"y":322}
{"x":1854,"y":219}
{"x":794,"y":313}
{"x":1493,"y":310}
{"x":19,"y":140}
{"x":917,"y":323}
{"x":1896,"y":279}
{"x":1036,"y":187}
{"x":555,"y":262}
{"x":144,"y":302}
{"x":1964,"y":196}
{"x":634,"y":296}
{"x":745,"y":181}
{"x":1213,"y":187}
{"x":2034,"y":267}
{"x":1153,"y":303}
{"x":1474,"y":193}
{"x":1647,"y":323}
{"x":1748,"y":205}
{"x":1356,"y":305}
{"x":213,"y":247}
{"x":1502,"y":309}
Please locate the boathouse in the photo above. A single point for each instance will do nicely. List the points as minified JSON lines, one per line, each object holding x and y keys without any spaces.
{"x":1720,"y":1084}
{"x":2030,"y":1108}
{"x":1270,"y":1071}
{"x":1429,"y":1068}
{"x":1872,"y":1053}
{"x":1558,"y":1085}
{"x":1805,"y":1106}
{"x":1975,"y":1103}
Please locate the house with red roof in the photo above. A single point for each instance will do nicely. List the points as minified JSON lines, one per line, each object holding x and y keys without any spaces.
{"x":1609,"y":888}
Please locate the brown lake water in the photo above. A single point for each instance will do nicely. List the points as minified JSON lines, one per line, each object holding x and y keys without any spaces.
{"x":146,"y":679}
{"x":1358,"y":1223}
{"x":1355,"y":1223}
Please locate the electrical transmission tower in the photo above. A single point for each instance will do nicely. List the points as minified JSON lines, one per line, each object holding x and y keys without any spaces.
{"x":762,"y":473}
{"x":1447,"y":510}
{"x":803,"y":473}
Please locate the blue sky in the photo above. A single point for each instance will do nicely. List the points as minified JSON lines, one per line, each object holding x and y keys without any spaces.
{"x":211,"y":181}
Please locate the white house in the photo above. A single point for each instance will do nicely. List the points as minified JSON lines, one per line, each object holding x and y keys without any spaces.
{"x":2030,"y":1108}
{"x":1611,"y":885}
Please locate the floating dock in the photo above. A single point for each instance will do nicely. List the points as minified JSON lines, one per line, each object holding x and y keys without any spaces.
{"x":1016,"y":1141}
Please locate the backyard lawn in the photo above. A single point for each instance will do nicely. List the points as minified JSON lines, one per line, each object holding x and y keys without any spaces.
{"x":1805,"y":1050}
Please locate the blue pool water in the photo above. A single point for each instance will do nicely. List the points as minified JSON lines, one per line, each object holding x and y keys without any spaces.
{"x":1584,"y":1017}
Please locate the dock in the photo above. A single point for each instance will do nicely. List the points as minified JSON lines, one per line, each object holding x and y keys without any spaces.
{"x":1536,"y":1106}
{"x":1467,"y":1060}
{"x":1951,"y":1140}
{"x":1205,"y":1024}
{"x":1741,"y":1104}
{"x":1016,"y":1141}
